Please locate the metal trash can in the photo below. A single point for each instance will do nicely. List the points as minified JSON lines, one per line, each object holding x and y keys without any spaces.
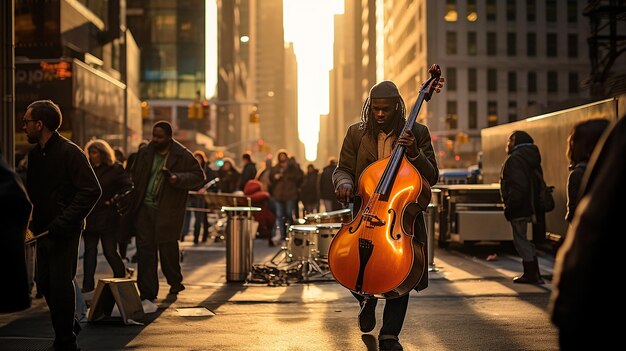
{"x":431,"y":213}
{"x":239,"y":242}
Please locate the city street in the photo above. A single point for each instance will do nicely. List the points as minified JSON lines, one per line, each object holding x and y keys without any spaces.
{"x":471,"y":304}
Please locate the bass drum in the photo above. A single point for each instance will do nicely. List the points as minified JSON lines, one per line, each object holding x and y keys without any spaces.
{"x":339,"y":216}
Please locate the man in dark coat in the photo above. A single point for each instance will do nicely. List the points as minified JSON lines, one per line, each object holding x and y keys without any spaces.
{"x":248,"y":172}
{"x":63,"y":189}
{"x":372,"y":139}
{"x":327,"y":189}
{"x":15,"y":209}
{"x":515,"y":188}
{"x":163,"y":173}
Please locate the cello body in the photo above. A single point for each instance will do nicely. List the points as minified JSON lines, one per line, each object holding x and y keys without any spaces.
{"x":396,"y":263}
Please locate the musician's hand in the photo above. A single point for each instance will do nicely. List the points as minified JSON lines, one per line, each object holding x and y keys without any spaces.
{"x":344,"y":193}
{"x":408,"y":140}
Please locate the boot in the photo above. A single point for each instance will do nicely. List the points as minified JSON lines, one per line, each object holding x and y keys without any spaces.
{"x":531,"y":273}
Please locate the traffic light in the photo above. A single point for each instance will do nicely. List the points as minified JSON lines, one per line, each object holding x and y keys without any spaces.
{"x":145,"y":109}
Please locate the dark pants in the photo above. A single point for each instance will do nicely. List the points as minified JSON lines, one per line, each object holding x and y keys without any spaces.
{"x":109,"y":243}
{"x":393,"y":315}
{"x":202,"y":222}
{"x":149,"y":250}
{"x":56,"y":267}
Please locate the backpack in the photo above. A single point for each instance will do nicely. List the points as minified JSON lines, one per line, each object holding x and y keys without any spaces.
{"x":543,"y":200}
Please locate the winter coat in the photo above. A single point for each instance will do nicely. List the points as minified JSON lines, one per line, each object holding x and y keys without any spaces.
{"x":309,"y":192}
{"x":327,"y":190}
{"x":286,"y":188}
{"x":359,"y":151}
{"x":248,"y":172}
{"x":515,"y":178}
{"x":574,"y":180}
{"x":172,"y":198}
{"x":113,"y":180}
{"x":62,"y":187}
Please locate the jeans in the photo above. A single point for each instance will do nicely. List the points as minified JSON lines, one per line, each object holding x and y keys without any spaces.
{"x":284,"y":215}
{"x":524,"y":247}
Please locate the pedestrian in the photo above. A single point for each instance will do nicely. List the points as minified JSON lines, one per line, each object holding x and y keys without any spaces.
{"x":103,"y":223}
{"x":285,"y":179}
{"x":248,"y":172}
{"x":592,"y":252}
{"x":15,"y":210}
{"x":229,"y":176}
{"x":327,"y":189}
{"x":63,"y":189}
{"x":580,"y":144}
{"x":309,"y":191}
{"x":163,"y":173}
{"x":371,"y":139}
{"x":201,"y":217}
{"x":523,"y":158}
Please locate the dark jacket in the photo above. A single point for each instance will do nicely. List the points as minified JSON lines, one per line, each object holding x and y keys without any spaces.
{"x":172,"y":198}
{"x":249,"y":172}
{"x":574,"y":180}
{"x":515,"y":178}
{"x":113,"y":180}
{"x":229,"y":180}
{"x":309,"y":192}
{"x":327,"y":190}
{"x":359,"y":151}
{"x":62,"y":187}
{"x":286,"y":188}
{"x":15,"y":211}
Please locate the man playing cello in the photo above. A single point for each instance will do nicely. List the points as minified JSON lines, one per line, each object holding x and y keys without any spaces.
{"x":371,"y":139}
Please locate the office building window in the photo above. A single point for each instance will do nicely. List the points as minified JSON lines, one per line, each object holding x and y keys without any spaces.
{"x":531,"y":44}
{"x":491,"y":44}
{"x":451,"y":13}
{"x":471,"y":44}
{"x":510,"y":10}
{"x":450,"y":77}
{"x":472,"y":79}
{"x":572,"y":11}
{"x":572,"y":45}
{"x":512,"y":82}
{"x":573,"y":83}
{"x":492,"y":113}
{"x":472,"y":115}
{"x":551,"y":48}
{"x":551,"y":10}
{"x":492,"y":79}
{"x":532,"y":82}
{"x":472,"y":11}
{"x":531,"y":10}
{"x":512,"y":113}
{"x":491,"y":10}
{"x":511,"y":42}
{"x":451,"y":43}
{"x":452,"y":117}
{"x":553,"y":85}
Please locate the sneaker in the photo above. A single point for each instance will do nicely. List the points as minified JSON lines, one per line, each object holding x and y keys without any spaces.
{"x":389,"y":345}
{"x":367,"y":315}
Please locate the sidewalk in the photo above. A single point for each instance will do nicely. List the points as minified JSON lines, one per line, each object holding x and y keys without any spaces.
{"x":471,"y":304}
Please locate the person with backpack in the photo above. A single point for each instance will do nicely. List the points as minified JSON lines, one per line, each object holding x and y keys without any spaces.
{"x":519,"y":195}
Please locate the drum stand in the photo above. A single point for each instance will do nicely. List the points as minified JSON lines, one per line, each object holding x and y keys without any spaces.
{"x":299,"y":268}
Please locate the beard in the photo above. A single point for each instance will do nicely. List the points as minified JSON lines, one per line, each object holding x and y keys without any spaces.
{"x":33,"y":138}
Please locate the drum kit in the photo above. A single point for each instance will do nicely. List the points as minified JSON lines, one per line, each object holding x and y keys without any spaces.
{"x":306,"y":252}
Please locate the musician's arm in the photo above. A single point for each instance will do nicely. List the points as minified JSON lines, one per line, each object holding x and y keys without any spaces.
{"x":346,"y":167}
{"x":425,"y":161}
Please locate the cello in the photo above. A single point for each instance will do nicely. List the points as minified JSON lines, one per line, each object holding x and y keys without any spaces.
{"x":375,"y":254}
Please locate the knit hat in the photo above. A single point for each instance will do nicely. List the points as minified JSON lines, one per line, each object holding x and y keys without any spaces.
{"x":383,"y":90}
{"x":521,"y":137}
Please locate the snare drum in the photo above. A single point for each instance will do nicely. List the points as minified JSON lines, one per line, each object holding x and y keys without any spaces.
{"x":326,"y":232}
{"x":302,"y":241}
{"x":339,"y":216}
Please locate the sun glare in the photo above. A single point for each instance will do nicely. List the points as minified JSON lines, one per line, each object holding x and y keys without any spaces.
{"x":309,"y":25}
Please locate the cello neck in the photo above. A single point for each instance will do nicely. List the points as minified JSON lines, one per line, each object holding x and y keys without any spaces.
{"x":389,"y":175}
